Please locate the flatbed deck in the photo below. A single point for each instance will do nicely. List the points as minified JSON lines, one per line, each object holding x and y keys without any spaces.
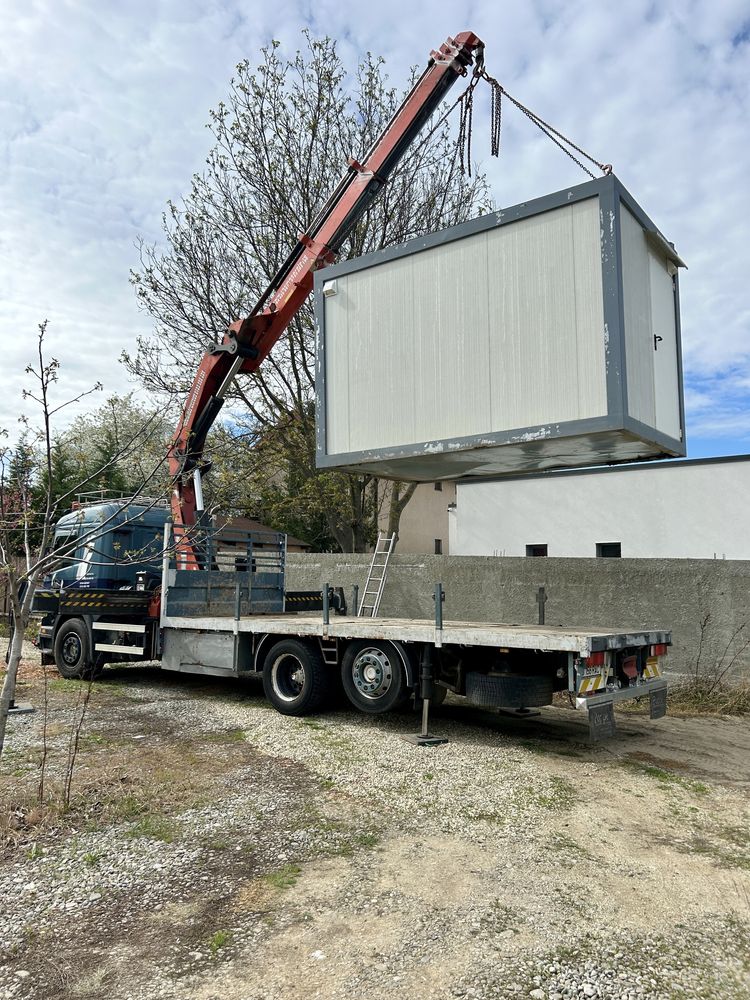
{"x":543,"y":637}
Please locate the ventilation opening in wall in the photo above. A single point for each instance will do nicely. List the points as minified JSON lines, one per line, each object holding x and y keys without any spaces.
{"x":536,"y":550}
{"x":609,"y":550}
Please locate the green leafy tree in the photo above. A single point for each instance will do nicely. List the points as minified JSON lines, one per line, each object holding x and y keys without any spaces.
{"x":115,"y":448}
{"x":280,"y":144}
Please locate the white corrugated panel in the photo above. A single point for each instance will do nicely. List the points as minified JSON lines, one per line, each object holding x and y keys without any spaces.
{"x":639,"y":338}
{"x":499,"y":330}
{"x":546,"y":319}
{"x":666,"y":369}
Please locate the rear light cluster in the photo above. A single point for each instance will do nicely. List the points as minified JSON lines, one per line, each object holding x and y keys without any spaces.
{"x":595,"y":660}
{"x":660,"y":649}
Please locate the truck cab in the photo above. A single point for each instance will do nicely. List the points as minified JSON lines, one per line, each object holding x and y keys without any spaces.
{"x":116,"y":544}
{"x":97,"y":600}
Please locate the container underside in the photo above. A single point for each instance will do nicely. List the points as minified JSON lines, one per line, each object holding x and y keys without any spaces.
{"x":456,"y":459}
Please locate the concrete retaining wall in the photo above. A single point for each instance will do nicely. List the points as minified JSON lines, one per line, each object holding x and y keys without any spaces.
{"x":612,"y":594}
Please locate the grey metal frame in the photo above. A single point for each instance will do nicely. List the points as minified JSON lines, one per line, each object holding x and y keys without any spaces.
{"x":611,"y":194}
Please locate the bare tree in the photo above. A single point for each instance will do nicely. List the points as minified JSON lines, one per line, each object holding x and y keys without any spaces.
{"x":28,"y":516}
{"x":281,"y":142}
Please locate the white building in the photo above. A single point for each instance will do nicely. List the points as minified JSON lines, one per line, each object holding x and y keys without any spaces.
{"x":677,"y":509}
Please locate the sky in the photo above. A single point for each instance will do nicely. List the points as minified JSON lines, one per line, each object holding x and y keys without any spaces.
{"x":103,"y":107}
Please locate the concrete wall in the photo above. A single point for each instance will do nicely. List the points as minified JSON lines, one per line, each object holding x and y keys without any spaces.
{"x":611,"y":594}
{"x":680,"y":510}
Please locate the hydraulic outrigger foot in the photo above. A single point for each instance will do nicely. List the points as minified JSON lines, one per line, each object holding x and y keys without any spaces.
{"x":20,"y":708}
{"x":424,"y":739}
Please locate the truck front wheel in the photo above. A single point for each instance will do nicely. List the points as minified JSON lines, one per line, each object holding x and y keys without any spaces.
{"x":295,"y":678}
{"x":373,"y":676}
{"x":72,"y":651}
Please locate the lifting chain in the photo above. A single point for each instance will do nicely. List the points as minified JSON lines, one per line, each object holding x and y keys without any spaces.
{"x":560,"y":140}
{"x":465,"y":103}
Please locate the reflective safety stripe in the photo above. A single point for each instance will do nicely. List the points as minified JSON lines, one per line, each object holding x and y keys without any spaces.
{"x":589,"y":684}
{"x":652,"y":668}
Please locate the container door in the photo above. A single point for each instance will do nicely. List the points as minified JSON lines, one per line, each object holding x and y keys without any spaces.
{"x":664,"y":324}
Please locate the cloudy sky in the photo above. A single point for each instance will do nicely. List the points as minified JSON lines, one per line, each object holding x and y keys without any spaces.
{"x":103,"y":108}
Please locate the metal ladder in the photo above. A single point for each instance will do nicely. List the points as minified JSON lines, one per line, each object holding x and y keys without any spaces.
{"x":375,"y":585}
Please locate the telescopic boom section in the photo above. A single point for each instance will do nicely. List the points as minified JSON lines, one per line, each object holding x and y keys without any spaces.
{"x":248,"y":341}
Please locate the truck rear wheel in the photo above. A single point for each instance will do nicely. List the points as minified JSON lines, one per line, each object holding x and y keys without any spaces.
{"x":72,"y":651}
{"x":373,"y":676}
{"x":295,"y":678}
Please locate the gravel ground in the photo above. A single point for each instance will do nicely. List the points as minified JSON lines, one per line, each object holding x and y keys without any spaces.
{"x":239,"y":854}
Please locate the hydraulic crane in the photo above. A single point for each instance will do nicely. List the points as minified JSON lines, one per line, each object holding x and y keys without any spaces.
{"x":248,"y":341}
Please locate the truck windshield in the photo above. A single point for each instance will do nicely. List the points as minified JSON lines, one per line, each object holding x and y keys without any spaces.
{"x":62,"y":549}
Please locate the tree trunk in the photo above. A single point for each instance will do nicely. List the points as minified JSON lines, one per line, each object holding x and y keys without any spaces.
{"x":397,"y":505}
{"x":9,"y":682}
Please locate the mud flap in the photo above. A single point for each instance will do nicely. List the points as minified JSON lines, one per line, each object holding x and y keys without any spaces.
{"x":658,"y":703}
{"x":601,"y":722}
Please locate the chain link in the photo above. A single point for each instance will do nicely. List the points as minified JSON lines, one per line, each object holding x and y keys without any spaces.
{"x":465,"y":125}
{"x":496,"y":120}
{"x":560,"y":140}
{"x":465,"y":102}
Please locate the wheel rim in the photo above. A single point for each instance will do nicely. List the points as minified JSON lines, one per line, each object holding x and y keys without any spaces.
{"x":71,"y":649}
{"x":287,"y":677}
{"x":372,"y":674}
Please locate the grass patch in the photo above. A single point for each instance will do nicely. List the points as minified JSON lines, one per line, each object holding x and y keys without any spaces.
{"x":227,"y":736}
{"x":722,"y":856}
{"x":284,"y":878}
{"x":664,"y":775}
{"x":312,"y":724}
{"x":703,"y":696}
{"x":561,"y":795}
{"x":654,"y":771}
{"x":215,"y":844}
{"x":153,"y":827}
{"x":66,"y":685}
{"x":129,"y":807}
{"x":219,"y":940}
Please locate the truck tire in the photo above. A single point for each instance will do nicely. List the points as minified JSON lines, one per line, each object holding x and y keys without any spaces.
{"x":72,"y":651}
{"x":509,"y":690}
{"x":373,"y":676}
{"x":295,"y":678}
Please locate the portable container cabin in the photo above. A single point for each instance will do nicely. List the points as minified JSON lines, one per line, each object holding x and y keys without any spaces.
{"x":540,"y":336}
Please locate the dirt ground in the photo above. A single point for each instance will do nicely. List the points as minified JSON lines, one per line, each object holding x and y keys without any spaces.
{"x":215,"y":849}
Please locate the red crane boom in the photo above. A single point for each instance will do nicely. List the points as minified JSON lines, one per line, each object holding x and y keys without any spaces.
{"x":248,"y":341}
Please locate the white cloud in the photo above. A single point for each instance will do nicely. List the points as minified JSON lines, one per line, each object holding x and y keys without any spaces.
{"x":103,"y":109}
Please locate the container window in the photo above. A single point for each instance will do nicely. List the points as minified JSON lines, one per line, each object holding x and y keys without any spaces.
{"x":439,"y":487}
{"x":438,"y":546}
{"x":609,"y":550}
{"x":536,"y":550}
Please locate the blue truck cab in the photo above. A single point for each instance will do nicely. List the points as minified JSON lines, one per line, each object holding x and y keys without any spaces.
{"x":116,"y":544}
{"x":97,"y":600}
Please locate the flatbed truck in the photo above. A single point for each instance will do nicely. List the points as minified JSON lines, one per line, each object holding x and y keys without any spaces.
{"x":238,"y":619}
